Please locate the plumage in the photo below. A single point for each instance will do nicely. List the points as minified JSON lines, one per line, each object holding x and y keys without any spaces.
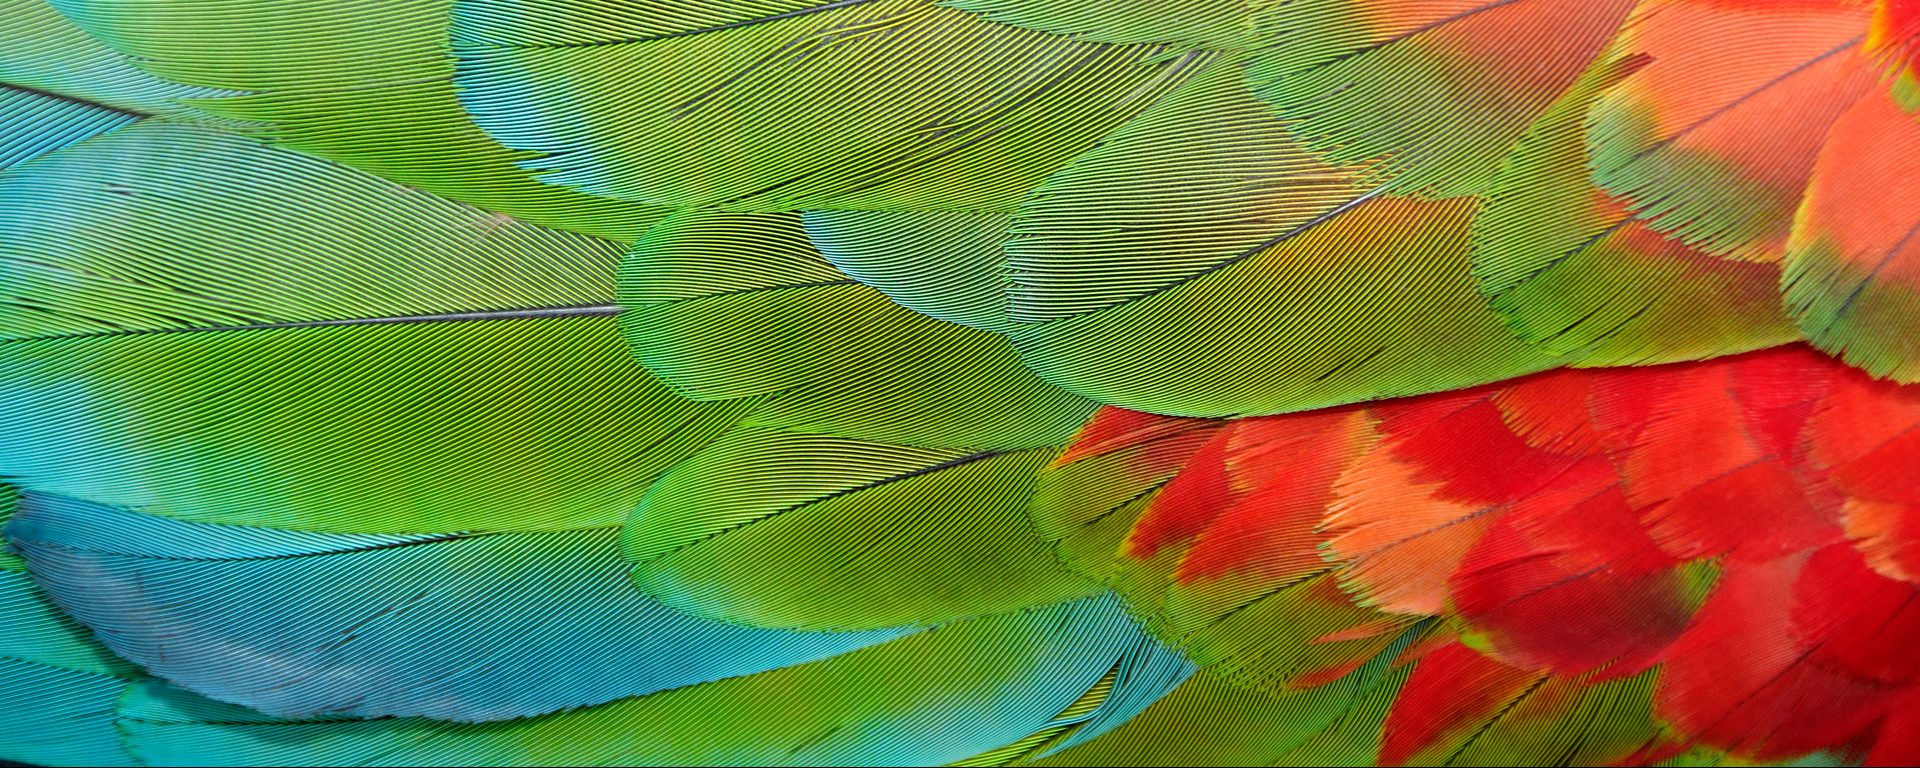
{"x":969,"y":382}
{"x":1571,"y":269}
{"x":802,"y":88}
{"x":562,"y":627}
{"x":1426,"y":95}
{"x":776,"y":529}
{"x":931,"y":698}
{"x":368,"y":83}
{"x":1851,"y":261}
{"x":1714,"y":150}
{"x":1571,"y":529}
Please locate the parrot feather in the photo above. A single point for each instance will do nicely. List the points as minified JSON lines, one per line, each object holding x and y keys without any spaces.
{"x":1712,"y":141}
{"x":33,"y":123}
{"x":1863,"y":435}
{"x":1197,"y":264}
{"x":1424,"y":94}
{"x":1208,"y":721}
{"x":1271,"y":619}
{"x":40,"y":50}
{"x":1769,"y":700}
{"x":303,"y":625}
{"x":1214,"y":24}
{"x":368,"y":83}
{"x":72,"y":720}
{"x":804,"y":91}
{"x":1853,"y":261}
{"x":959,"y":382}
{"x":1570,"y":530}
{"x":1574,"y":272}
{"x":942,"y":264}
{"x":38,"y":633}
{"x":52,"y":667}
{"x":810,"y":531}
{"x":1461,"y":708}
{"x":234,"y":333}
{"x":731,"y":305}
{"x":934,"y":697}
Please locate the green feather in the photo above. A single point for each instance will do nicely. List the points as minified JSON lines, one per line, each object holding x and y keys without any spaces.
{"x":1202,"y":177}
{"x":793,"y":104}
{"x":368,"y":83}
{"x":942,"y":264}
{"x":1208,"y":721}
{"x":725,"y":305}
{"x":806,"y":531}
{"x":1428,"y":96}
{"x":1273,"y":634}
{"x":1198,"y":262}
{"x":201,"y":326}
{"x":1200,"y":23}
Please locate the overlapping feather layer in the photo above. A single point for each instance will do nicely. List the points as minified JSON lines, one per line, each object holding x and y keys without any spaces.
{"x":481,"y":382}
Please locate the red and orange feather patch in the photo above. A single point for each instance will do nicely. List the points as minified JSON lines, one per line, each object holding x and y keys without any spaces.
{"x":1743,"y":527}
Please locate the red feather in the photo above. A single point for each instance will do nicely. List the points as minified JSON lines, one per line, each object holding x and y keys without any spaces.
{"x":1453,"y":688}
{"x":1740,"y":677}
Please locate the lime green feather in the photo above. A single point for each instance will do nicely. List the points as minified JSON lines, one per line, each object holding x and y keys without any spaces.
{"x":1199,"y":179}
{"x":1129,"y":688}
{"x":807,"y":531}
{"x":1208,"y":721}
{"x":1354,"y":738}
{"x":1206,"y":23}
{"x":198,"y":325}
{"x":365,"y":82}
{"x":1425,"y":95}
{"x":795,"y":104}
{"x":1199,"y":262}
{"x":1086,"y":507}
{"x":1274,"y":634}
{"x":728,"y":305}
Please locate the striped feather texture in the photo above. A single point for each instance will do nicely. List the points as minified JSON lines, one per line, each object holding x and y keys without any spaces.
{"x":458,"y":627}
{"x":932,"y":698}
{"x":802,"y":88}
{"x":367,"y":83}
{"x":958,"y":382}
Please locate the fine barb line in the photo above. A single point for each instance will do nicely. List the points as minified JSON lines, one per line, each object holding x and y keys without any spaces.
{"x":591,"y":310}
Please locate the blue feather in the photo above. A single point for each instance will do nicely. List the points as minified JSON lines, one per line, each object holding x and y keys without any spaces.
{"x":931,"y":698}
{"x":33,"y":123}
{"x":454,"y":626}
